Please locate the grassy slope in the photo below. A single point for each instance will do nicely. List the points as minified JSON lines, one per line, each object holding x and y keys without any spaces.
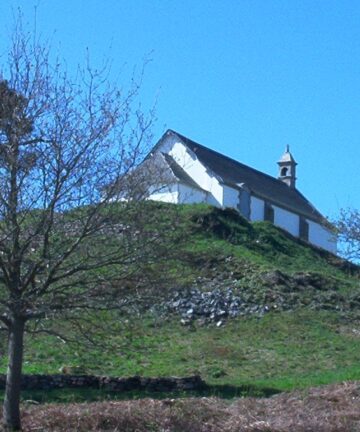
{"x":282,"y":350}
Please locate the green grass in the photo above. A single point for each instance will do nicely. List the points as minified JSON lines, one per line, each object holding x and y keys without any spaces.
{"x":213,"y":234}
{"x":282,"y":350}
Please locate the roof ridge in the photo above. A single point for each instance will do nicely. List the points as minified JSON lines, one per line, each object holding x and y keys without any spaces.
{"x":273,"y":183}
{"x":231,"y":159}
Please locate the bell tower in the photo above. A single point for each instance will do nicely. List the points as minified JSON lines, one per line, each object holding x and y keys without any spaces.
{"x":287,"y":168}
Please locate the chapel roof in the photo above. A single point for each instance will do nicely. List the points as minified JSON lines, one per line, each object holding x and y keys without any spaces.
{"x":233,"y":173}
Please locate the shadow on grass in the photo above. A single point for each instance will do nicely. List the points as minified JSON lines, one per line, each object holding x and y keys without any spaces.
{"x":73,"y":395}
{"x":227,"y":391}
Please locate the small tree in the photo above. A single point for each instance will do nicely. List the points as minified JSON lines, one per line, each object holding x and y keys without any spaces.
{"x":348,"y":227}
{"x":65,"y":146}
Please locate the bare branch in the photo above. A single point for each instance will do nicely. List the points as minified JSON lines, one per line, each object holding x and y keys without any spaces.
{"x":69,"y":146}
{"x":348,"y":229}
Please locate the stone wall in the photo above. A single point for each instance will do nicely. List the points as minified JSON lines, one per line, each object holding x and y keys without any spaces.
{"x":48,"y":382}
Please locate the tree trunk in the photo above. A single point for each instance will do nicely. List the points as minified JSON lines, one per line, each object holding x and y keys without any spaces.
{"x":11,"y":408}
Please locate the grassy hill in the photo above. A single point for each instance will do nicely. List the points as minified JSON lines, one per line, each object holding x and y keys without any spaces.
{"x":298,"y":325}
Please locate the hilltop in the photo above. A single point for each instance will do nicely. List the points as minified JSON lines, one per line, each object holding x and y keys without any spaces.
{"x":245,"y":268}
{"x":238,"y":303}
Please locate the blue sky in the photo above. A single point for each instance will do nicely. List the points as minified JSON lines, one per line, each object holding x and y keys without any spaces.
{"x":243,"y":77}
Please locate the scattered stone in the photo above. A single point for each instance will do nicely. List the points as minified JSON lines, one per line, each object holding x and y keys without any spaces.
{"x":185,"y":322}
{"x":214,"y":300}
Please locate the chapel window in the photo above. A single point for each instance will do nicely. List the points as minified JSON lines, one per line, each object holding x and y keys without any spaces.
{"x":303,"y":229}
{"x":268,"y":212}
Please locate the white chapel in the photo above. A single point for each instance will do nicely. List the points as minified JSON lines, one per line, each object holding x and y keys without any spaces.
{"x":197,"y":174}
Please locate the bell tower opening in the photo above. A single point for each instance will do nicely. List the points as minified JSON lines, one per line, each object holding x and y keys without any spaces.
{"x":284,"y":171}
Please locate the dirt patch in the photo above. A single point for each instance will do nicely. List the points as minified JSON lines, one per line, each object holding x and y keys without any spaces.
{"x":332,"y":408}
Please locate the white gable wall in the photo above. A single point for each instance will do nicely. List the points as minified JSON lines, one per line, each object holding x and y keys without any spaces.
{"x":191,"y":165}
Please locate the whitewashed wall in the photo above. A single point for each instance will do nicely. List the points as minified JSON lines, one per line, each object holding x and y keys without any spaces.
{"x":230,"y":197}
{"x":168,"y":194}
{"x":322,"y":237}
{"x":238,"y":199}
{"x":189,"y":195}
{"x":286,"y":220}
{"x":256,"y":209}
{"x":197,"y":171}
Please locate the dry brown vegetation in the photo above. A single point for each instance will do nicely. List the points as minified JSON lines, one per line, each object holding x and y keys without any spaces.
{"x":332,"y":408}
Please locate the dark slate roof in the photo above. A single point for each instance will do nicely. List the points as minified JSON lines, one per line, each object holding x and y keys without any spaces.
{"x":260,"y":184}
{"x":179,"y":172}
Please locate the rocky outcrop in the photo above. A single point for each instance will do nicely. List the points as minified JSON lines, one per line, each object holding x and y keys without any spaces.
{"x":215,"y":300}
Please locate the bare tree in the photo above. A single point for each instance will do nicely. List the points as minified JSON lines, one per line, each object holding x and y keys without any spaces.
{"x":65,"y":146}
{"x":348,"y":228}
